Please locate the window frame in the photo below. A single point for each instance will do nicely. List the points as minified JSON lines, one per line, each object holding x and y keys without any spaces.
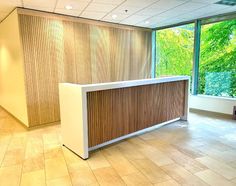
{"x":196,"y":51}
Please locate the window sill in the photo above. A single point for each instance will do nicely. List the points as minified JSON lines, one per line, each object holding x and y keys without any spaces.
{"x":213,"y":97}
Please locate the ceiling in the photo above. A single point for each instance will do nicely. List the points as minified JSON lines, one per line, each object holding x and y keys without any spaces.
{"x":144,"y":13}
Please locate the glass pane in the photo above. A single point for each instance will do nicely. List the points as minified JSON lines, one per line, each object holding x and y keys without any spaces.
{"x":217,"y":75}
{"x":174,"y":51}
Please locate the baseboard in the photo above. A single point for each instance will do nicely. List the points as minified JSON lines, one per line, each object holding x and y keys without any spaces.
{"x":15,"y":118}
{"x":210,"y":113}
{"x":44,"y":125}
{"x":29,"y":127}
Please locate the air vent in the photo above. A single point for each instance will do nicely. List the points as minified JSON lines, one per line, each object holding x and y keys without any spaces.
{"x":227,"y":2}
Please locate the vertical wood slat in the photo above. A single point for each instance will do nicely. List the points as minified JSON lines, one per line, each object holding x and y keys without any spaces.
{"x":41,"y":68}
{"x":118,"y":112}
{"x":67,"y":68}
{"x":120,"y":54}
{"x":100,"y":54}
{"x":31,"y":83}
{"x":140,"y":58}
{"x":82,"y":53}
{"x":65,"y":51}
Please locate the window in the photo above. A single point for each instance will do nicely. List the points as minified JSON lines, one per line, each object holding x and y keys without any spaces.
{"x":217,"y":67}
{"x":217,"y":60}
{"x":174,"y":51}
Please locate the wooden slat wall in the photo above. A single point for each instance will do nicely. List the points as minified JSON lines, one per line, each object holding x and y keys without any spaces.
{"x":69,"y":51}
{"x":82,"y":53}
{"x":120,"y":54}
{"x":117,"y":112}
{"x":100,"y":54}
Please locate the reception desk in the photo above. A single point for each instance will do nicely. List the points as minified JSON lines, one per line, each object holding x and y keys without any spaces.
{"x":95,"y":115}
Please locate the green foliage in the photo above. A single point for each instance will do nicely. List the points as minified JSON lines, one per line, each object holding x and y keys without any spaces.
{"x":217,"y":75}
{"x":218,"y":56}
{"x":174,"y":51}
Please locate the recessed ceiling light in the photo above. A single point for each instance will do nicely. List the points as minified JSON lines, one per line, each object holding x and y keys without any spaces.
{"x":114,"y":16}
{"x":68,"y":7}
{"x":147,"y":22}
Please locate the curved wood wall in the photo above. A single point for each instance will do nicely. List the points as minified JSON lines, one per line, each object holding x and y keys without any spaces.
{"x":59,"y":50}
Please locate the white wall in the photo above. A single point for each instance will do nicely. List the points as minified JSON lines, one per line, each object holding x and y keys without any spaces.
{"x":213,"y":104}
{"x":12,"y":88}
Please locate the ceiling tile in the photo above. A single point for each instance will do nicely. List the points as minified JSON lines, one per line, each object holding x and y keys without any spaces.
{"x":140,"y":3}
{"x":133,"y":6}
{"x":166,"y":5}
{"x":8,"y":6}
{"x":119,"y":18}
{"x":44,"y":5}
{"x":227,"y":10}
{"x":100,"y":7}
{"x":110,"y":20}
{"x":76,"y":4}
{"x":151,"y":11}
{"x":210,"y":9}
{"x":93,"y":15}
{"x":182,"y":9}
{"x":188,"y":7}
{"x":157,"y":12}
{"x":68,"y":12}
{"x":160,"y":7}
{"x":134,"y":19}
{"x":115,"y":2}
{"x":41,"y":8}
{"x":122,"y":9}
{"x":157,"y":19}
{"x":143,"y":24}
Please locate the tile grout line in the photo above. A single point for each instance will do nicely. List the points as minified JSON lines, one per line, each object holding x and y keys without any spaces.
{"x":92,"y":171}
{"x":113,"y":168}
{"x":208,"y":168}
{"x":138,"y":168}
{"x":162,"y":12}
{"x":45,"y":176}
{"x":66,"y":164}
{"x":113,"y":9}
{"x":161,"y":166}
{"x":139,"y":11}
{"x":6,"y":151}
{"x":54,"y":8}
{"x":22,"y":164}
{"x":85,"y":8}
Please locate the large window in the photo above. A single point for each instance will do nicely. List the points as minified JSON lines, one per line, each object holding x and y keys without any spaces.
{"x":216,"y":59}
{"x":174,"y":51}
{"x":217,"y":73}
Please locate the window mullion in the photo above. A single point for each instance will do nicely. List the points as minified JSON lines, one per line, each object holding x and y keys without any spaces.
{"x":196,"y":56}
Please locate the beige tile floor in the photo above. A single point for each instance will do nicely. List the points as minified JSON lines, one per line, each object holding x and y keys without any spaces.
{"x":200,"y":152}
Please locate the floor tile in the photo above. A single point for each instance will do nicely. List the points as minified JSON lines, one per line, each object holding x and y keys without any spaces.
{"x":35,"y":178}
{"x":108,"y":176}
{"x":97,"y":160}
{"x":213,"y":179}
{"x":10,"y":176}
{"x":136,"y":179}
{"x":63,"y":181}
{"x":55,"y":168}
{"x":218,"y":167}
{"x":152,"y":172}
{"x":182,"y":176}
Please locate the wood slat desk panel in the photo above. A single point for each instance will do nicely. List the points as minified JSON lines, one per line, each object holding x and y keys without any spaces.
{"x":117,"y":112}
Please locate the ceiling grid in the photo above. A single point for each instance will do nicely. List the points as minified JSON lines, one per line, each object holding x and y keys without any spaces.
{"x":144,"y":13}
